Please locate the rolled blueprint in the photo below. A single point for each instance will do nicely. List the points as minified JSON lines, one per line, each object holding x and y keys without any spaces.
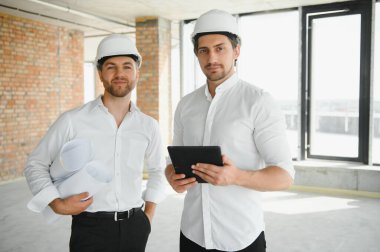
{"x":73,"y":171}
{"x":91,"y":178}
{"x":74,"y":155}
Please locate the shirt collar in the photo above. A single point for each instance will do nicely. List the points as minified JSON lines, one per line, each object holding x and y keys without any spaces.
{"x":99,"y":103}
{"x":227,"y":84}
{"x":134,"y":107}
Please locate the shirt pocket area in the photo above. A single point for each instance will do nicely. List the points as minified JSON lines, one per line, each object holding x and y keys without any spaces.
{"x":136,"y":154}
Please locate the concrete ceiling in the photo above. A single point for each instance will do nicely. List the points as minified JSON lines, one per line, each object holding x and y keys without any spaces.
{"x":100,"y":17}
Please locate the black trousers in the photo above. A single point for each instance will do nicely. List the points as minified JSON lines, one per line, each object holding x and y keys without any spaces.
{"x":89,"y":234}
{"x":186,"y":245}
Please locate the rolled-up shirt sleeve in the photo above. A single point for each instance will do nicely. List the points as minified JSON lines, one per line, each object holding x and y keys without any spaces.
{"x":270,"y":134}
{"x":156,"y":189}
{"x":38,"y":164}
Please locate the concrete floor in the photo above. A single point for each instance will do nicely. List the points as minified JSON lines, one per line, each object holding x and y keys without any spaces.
{"x":296,"y":221}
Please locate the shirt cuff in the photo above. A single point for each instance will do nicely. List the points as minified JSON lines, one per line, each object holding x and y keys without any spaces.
{"x":39,"y":202}
{"x":287,"y":167}
{"x":155,"y":196}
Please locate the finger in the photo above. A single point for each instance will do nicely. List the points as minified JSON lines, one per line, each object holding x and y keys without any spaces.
{"x":189,"y":185}
{"x":204,"y":176}
{"x":206,"y":168}
{"x":89,"y":199}
{"x":226,"y":160}
{"x":182,"y":182}
{"x":87,"y":202}
{"x":82,"y":195}
{"x":178,"y":176}
{"x":184,"y":188}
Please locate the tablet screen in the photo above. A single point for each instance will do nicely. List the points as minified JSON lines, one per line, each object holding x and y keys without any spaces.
{"x":183,"y":157}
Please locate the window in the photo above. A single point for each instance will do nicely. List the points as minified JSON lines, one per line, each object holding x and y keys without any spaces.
{"x":334,"y":124}
{"x":336,"y":47}
{"x":269,"y":60}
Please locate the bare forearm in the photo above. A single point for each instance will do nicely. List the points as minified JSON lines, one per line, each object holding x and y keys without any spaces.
{"x":71,"y":205}
{"x":149,"y":210}
{"x":271,"y":178}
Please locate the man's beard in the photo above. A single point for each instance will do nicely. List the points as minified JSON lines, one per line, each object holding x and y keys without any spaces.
{"x":118,"y":91}
{"x":218,"y":76}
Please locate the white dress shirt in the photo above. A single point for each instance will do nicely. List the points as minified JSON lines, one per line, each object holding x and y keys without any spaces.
{"x":122,"y":149}
{"x":250,"y":129}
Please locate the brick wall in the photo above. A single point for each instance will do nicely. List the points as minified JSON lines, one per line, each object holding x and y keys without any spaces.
{"x":41,"y":75}
{"x":153,"y":40}
{"x":147,"y":42}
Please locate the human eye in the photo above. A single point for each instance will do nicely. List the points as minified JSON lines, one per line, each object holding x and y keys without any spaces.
{"x":110,"y":67}
{"x":202,"y":51}
{"x":219,"y":49}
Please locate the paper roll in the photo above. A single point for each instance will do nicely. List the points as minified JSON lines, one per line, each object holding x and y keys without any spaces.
{"x":73,"y":171}
{"x":74,"y":155}
{"x":93,"y":177}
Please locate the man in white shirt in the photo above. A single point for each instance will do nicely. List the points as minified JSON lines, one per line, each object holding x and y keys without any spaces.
{"x":225,"y":214}
{"x":122,"y":138}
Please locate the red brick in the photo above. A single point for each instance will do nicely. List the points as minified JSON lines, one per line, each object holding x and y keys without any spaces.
{"x":31,"y":76}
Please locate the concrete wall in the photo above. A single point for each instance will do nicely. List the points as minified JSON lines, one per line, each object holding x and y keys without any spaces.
{"x":338,"y":175}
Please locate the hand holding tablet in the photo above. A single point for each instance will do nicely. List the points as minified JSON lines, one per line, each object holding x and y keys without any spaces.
{"x":183,"y":157}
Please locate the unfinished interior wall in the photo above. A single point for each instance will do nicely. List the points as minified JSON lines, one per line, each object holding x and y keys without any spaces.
{"x":41,"y":75}
{"x":153,"y":40}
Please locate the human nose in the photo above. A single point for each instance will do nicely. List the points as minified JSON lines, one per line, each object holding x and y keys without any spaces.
{"x":119,"y":71}
{"x":212,"y":57}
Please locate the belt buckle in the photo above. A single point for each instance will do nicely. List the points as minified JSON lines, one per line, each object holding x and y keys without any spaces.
{"x":117,"y":219}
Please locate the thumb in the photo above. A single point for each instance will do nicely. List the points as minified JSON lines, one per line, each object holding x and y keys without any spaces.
{"x":83,"y":195}
{"x":226,"y":160}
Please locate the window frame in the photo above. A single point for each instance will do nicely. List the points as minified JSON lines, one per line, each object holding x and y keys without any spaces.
{"x":364,"y":8}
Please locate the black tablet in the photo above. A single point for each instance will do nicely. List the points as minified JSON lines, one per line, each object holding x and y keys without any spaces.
{"x":183,"y":157}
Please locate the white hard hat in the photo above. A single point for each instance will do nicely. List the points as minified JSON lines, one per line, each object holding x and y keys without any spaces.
{"x":115,"y":45}
{"x":215,"y":21}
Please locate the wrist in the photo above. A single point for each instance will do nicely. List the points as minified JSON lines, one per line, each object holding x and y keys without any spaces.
{"x":242,"y":177}
{"x":239,"y":177}
{"x":55,"y":205}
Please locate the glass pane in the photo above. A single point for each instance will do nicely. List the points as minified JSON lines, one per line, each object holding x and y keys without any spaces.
{"x":376,"y":94}
{"x":335,"y":72}
{"x":269,"y":60}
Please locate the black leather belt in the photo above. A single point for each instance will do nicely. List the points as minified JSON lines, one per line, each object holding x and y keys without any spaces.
{"x":116,"y":216}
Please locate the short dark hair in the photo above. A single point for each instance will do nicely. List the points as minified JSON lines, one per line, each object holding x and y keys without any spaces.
{"x":101,"y":61}
{"x":235,"y":40}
